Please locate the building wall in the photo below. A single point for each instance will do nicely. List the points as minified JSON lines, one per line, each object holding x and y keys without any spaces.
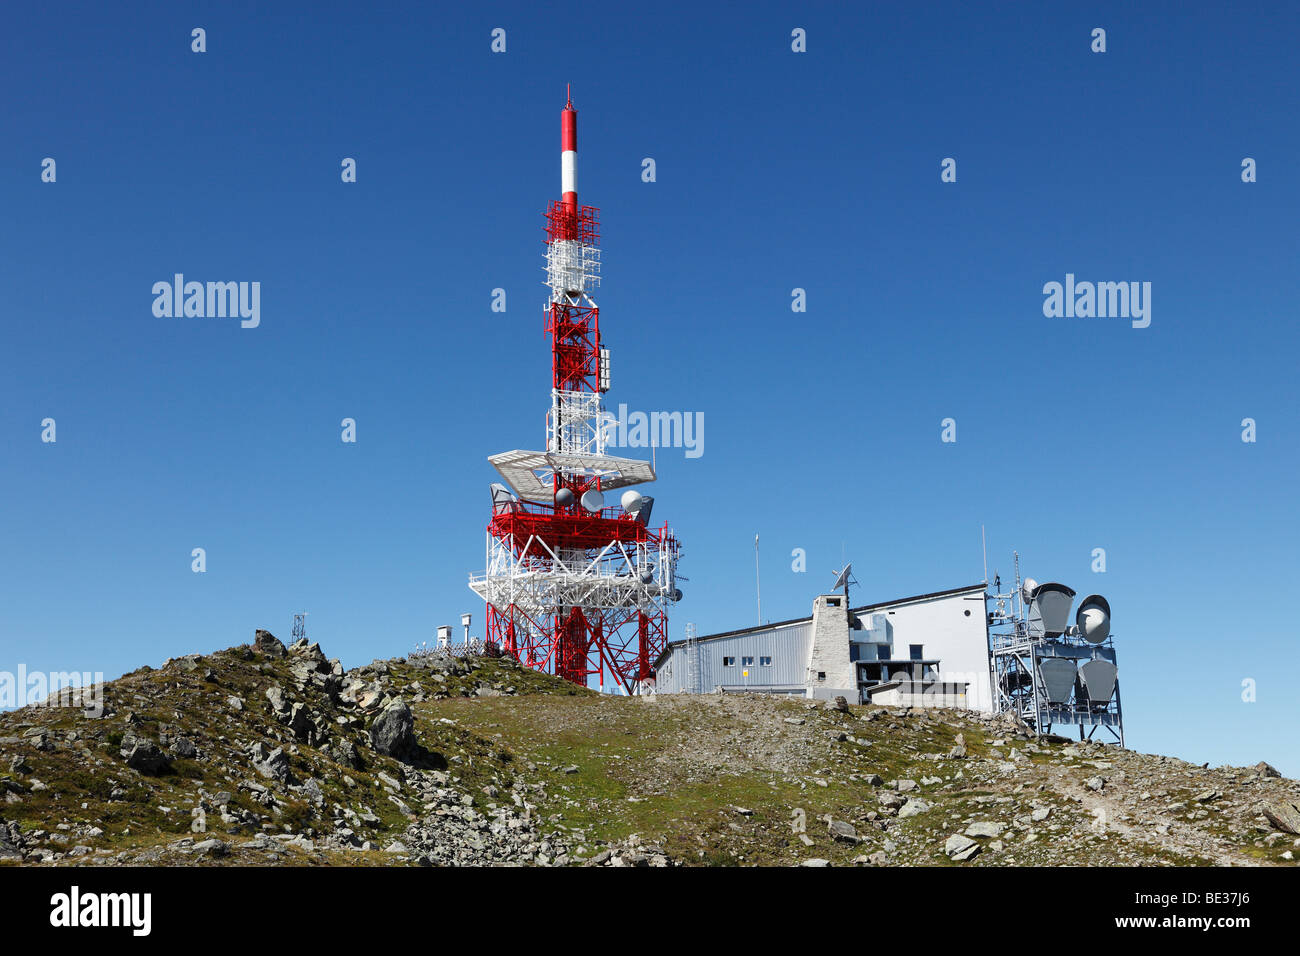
{"x":787,"y":646}
{"x":939,"y":624}
{"x":922,"y":695}
{"x":945,"y":631}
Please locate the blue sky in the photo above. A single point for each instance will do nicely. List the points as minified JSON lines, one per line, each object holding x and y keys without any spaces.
{"x":775,"y":170}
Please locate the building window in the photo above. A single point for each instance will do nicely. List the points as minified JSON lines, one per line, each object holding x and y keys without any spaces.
{"x":728,"y":662}
{"x":748,"y":661}
{"x":916,"y":651}
{"x":765,"y":661}
{"x":821,"y":675}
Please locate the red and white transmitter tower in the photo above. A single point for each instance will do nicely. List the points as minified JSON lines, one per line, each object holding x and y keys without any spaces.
{"x":573,"y":587}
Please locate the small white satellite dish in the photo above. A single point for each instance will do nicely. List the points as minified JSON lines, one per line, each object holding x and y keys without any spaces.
{"x":631,"y":501}
{"x":842,"y":577}
{"x":1028,"y":588}
{"x":1093,"y":619}
{"x":592,"y":500}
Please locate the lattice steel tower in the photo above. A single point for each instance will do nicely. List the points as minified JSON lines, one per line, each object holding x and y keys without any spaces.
{"x":573,"y":587}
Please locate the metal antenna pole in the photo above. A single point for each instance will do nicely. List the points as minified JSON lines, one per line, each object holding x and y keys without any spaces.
{"x":984,"y":548}
{"x":758,"y":581}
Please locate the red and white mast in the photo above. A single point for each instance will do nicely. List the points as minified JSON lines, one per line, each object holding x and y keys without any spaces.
{"x":569,"y":156}
{"x":571,"y":586}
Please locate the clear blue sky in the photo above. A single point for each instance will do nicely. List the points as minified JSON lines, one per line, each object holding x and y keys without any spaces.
{"x":775,"y":170}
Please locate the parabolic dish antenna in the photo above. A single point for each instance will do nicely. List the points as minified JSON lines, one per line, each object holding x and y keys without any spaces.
{"x":1093,"y":619}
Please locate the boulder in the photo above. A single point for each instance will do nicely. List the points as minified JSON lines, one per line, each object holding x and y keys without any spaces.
{"x":844,"y":832}
{"x":212,"y":847}
{"x":267,"y":643}
{"x":393,"y":732}
{"x":143,"y":755}
{"x":960,"y":848}
{"x":271,"y":764}
{"x":912,"y":808}
{"x":986,"y":829}
{"x":1266,"y":770}
{"x":1285,"y":816}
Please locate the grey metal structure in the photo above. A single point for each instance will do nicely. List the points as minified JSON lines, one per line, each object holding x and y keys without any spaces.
{"x":1049,"y":673}
{"x":769,"y":659}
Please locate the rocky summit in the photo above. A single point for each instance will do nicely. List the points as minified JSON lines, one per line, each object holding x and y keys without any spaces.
{"x":266,"y":754}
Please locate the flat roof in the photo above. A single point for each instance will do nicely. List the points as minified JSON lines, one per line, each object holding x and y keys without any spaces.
{"x":807,"y":620}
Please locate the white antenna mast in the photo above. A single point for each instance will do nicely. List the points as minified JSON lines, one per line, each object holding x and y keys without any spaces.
{"x":984,"y":547}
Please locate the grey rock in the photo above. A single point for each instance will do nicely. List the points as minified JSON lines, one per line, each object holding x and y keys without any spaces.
{"x":985,"y":828}
{"x":1266,"y":770}
{"x":913,"y":807}
{"x":212,"y":847}
{"x":960,"y":848}
{"x":393,"y":732}
{"x":271,"y":764}
{"x":266,"y":643}
{"x":143,"y":755}
{"x":1283,"y":815}
{"x":844,"y":832}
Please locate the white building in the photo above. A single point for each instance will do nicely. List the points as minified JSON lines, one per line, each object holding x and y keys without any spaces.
{"x":932,"y":649}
